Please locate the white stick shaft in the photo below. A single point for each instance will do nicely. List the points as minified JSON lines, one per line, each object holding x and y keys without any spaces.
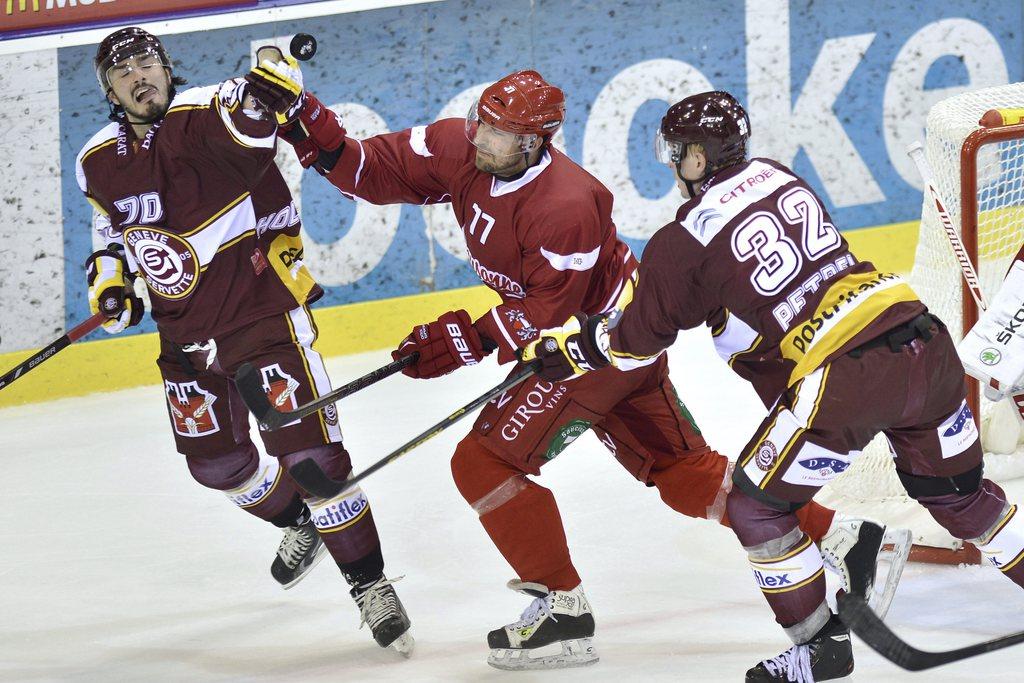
{"x":916,"y":153}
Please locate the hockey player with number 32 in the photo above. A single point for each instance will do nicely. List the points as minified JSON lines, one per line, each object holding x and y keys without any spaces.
{"x":838,"y":350}
{"x":539,"y":233}
{"x":186,"y":193}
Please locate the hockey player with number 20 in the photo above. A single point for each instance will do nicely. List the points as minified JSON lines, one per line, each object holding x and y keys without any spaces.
{"x":839,"y":350}
{"x":539,"y":233}
{"x":187,"y":195}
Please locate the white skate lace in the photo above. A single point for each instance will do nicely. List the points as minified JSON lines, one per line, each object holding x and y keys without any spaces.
{"x":294,"y":545}
{"x":795,"y":663}
{"x":540,"y":607}
{"x":378,"y":602}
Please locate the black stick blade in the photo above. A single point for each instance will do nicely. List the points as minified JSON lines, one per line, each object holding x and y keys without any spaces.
{"x":250,"y":385}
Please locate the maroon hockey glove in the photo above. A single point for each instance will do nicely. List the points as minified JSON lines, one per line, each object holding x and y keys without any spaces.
{"x":572,"y":349}
{"x":277,"y":87}
{"x":444,"y":345}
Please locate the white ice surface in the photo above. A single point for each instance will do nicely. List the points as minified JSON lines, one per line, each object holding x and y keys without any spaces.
{"x":116,"y":566}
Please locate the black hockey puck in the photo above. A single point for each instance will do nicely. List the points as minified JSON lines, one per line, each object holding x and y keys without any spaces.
{"x":303,"y":47}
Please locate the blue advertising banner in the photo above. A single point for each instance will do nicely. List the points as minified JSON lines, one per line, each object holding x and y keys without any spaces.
{"x":836,"y":91}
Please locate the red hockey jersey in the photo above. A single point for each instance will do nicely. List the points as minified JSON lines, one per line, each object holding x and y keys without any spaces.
{"x":544,"y":242}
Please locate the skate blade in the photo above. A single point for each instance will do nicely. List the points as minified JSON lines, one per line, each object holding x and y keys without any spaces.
{"x":321,"y":553}
{"x":896,"y":545}
{"x":561,"y":655}
{"x":403,"y":644}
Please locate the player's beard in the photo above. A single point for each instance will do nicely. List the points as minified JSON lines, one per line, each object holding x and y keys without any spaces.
{"x":150,"y":111}
{"x":503,"y":166}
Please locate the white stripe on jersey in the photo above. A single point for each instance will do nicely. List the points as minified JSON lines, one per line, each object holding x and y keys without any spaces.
{"x":237,"y":220}
{"x":727,"y":199}
{"x":303,"y":326}
{"x":418,"y":141}
{"x":580,"y":261}
{"x":501,"y":326}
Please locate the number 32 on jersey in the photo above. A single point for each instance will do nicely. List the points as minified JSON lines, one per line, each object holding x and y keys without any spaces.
{"x":763,"y":236}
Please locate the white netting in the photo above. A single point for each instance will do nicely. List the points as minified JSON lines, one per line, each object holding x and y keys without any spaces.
{"x":870,"y":486}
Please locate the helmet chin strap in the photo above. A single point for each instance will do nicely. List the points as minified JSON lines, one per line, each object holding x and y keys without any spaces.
{"x":688,"y":183}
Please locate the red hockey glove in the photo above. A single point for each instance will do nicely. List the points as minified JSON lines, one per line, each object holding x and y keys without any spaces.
{"x":444,"y":345}
{"x":317,"y":135}
{"x":572,"y":349}
{"x":111,"y":291}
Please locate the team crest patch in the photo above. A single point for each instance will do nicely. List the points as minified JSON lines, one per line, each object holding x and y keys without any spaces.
{"x":767,"y":454}
{"x":168,"y":262}
{"x":191,"y":409}
{"x":518,"y":322}
{"x":280,"y":388}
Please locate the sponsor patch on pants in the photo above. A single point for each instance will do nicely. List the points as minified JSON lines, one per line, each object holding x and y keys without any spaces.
{"x":816,"y":466}
{"x":958,"y":432}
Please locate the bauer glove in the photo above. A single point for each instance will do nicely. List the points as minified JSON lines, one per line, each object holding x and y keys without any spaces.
{"x":277,"y":87}
{"x":444,"y":345}
{"x":578,"y":346}
{"x":111,"y":291}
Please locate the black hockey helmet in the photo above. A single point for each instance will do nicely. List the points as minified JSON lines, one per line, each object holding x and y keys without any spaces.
{"x":123,"y":44}
{"x":715,"y":120}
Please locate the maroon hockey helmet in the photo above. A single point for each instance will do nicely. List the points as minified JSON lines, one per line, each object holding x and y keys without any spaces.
{"x":123,"y":44}
{"x":522,"y":103}
{"x":715,"y":120}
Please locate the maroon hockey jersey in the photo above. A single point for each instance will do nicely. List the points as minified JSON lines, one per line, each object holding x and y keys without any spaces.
{"x":204,"y":214}
{"x":544,"y":242}
{"x":757,"y":257}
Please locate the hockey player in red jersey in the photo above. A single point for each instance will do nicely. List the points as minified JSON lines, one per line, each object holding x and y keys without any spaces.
{"x":187,"y":196}
{"x":540,"y":234}
{"x":837,"y":349}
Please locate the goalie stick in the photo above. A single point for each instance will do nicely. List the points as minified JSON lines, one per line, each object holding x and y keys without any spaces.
{"x":250,"y":385}
{"x":311,"y":477}
{"x":856,"y":614}
{"x":73,"y":335}
{"x":916,"y":153}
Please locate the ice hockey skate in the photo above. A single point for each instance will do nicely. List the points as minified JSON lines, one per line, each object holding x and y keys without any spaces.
{"x":555,"y":632}
{"x":301,"y":549}
{"x":380,"y":607}
{"x":826,"y":656}
{"x":859,"y":547}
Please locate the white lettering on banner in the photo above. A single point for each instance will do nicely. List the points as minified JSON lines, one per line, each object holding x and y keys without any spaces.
{"x":810,"y":123}
{"x":543,"y":396}
{"x":606,"y":137}
{"x":906,"y":102}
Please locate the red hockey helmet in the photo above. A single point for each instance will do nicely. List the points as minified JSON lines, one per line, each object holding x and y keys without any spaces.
{"x":521,"y":104}
{"x":124,"y":44}
{"x":715,"y":120}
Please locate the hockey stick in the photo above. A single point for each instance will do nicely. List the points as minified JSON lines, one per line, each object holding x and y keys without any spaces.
{"x":916,"y":153}
{"x":311,"y":477}
{"x":250,"y":385}
{"x":856,"y":614}
{"x":53,"y":347}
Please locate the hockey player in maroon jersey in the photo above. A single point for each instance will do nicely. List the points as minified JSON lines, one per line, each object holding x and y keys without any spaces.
{"x":837,"y":349}
{"x":539,"y":233}
{"x":187,"y":196}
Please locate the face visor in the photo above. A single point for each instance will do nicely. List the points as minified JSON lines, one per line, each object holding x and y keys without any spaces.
{"x":494,"y":141}
{"x":669,"y":152}
{"x":119,"y":66}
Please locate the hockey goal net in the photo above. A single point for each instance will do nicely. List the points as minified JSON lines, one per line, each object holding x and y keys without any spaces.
{"x":979,"y":171}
